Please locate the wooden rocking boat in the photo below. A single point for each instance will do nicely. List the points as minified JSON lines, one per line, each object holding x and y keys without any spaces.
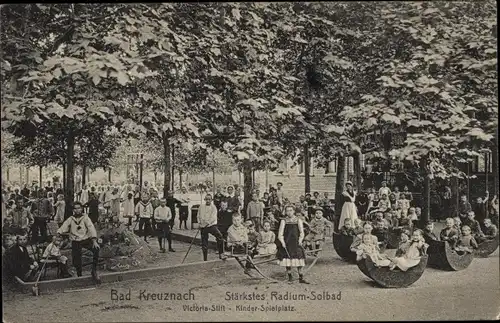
{"x":442,"y":256}
{"x":387,"y":278}
{"x":342,"y":245}
{"x":486,"y":248}
{"x":364,"y":269}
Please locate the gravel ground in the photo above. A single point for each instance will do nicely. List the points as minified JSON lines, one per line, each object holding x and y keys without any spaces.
{"x":469,"y":294}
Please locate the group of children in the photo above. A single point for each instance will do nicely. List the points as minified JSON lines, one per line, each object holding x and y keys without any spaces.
{"x":465,"y":236}
{"x":407,"y":255}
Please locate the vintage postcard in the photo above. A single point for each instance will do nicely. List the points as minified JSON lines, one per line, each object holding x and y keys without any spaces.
{"x":249,"y":161}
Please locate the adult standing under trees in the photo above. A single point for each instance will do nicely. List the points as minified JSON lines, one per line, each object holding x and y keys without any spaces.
{"x":42,"y":210}
{"x":348,"y":208}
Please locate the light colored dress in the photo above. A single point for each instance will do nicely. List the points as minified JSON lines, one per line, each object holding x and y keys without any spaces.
{"x":128,"y":208}
{"x":60,"y":206}
{"x":266,"y":244}
{"x":84,"y":197}
{"x":412,"y":256}
{"x":370,"y":248}
{"x":348,"y":209}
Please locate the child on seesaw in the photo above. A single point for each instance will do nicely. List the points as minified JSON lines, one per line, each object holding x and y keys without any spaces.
{"x":347,"y":229}
{"x":266,"y":244}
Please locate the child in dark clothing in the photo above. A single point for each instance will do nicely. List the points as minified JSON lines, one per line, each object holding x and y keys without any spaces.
{"x":381,"y":232}
{"x":347,"y":229}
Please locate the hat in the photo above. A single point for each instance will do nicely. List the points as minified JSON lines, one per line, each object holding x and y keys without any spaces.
{"x":348,"y":183}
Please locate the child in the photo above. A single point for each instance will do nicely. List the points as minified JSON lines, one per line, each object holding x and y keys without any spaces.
{"x":347,"y":229}
{"x":358,"y":227}
{"x":466,"y":242}
{"x":418,"y":214}
{"x":266,"y":245}
{"x":412,"y":215}
{"x":412,"y":256}
{"x":490,"y":230}
{"x":384,"y":204}
{"x":449,"y":233}
{"x":115,"y":203}
{"x":53,"y":252}
{"x":457,"y":224}
{"x":379,"y":218}
{"x":8,"y":241}
{"x":404,"y":243}
{"x":473,"y":225}
{"x":162,"y":216}
{"x":255,"y":211}
{"x":317,"y":231}
{"x":367,"y":244}
{"x":429,"y":234}
{"x":403,"y":204}
{"x":93,"y":206}
{"x":128,"y":208}
{"x":253,"y":238}
{"x":144,"y":210}
{"x":290,"y":252}
{"x":390,"y":221}
{"x":271,"y":219}
{"x":237,"y":235}
{"x":381,"y":232}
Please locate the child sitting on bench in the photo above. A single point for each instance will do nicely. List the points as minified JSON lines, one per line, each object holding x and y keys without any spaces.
{"x":253,"y":239}
{"x":237,"y":235}
{"x":266,"y":245}
{"x":53,"y":252}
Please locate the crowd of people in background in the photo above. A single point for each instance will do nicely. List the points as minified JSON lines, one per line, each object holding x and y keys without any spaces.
{"x":260,"y":227}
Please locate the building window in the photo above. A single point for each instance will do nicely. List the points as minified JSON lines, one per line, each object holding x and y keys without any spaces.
{"x":301,"y":169}
{"x":331,"y":168}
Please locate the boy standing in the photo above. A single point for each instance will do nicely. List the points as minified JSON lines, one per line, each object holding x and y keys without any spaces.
{"x":255,"y":211}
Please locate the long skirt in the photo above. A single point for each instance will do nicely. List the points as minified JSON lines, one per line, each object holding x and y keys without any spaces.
{"x":348,"y":212}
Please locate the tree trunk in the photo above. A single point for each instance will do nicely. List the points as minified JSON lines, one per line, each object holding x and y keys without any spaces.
{"x":40,"y":176}
{"x":70,"y":175}
{"x":180,"y":178}
{"x":426,"y":212}
{"x":141,"y":170}
{"x":167,"y":166}
{"x":247,"y":183}
{"x":468,"y":180}
{"x":494,"y":164}
{"x":455,"y":196}
{"x":357,"y":170}
{"x":64,"y":177}
{"x":84,"y":175}
{"x":172,"y":180}
{"x":307,"y":169}
{"x":156,"y":176}
{"x":109,"y":174}
{"x":486,"y":169}
{"x":339,"y":184}
{"x":267,"y":180}
{"x":213,"y":180}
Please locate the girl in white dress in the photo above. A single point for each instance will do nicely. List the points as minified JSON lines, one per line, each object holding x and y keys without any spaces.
{"x":349,"y":208}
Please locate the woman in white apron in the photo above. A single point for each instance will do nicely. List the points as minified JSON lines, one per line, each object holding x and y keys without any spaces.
{"x":348,"y":208}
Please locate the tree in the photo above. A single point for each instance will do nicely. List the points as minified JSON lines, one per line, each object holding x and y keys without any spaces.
{"x":79,"y":79}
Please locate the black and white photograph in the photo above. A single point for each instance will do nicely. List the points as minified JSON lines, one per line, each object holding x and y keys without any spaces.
{"x":249,"y":161}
